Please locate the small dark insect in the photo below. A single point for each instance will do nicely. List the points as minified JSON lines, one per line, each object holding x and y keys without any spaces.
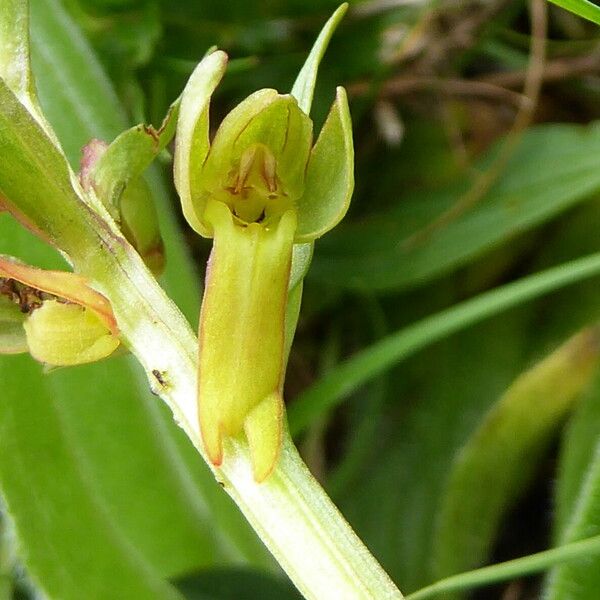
{"x":160,"y":377}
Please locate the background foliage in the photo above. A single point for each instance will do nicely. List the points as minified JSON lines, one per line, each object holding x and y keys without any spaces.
{"x":469,"y":178}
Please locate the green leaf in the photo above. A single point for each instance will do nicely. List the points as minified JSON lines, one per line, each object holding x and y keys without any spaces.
{"x":576,"y":461}
{"x":67,"y":537}
{"x":583,"y":8}
{"x":581,"y":579}
{"x":329,"y":175}
{"x":35,"y":182}
{"x":378,"y":253}
{"x":304,"y":86}
{"x":498,"y":460}
{"x":233,"y":584}
{"x":578,"y":508}
{"x":14,"y":49}
{"x":77,"y":96}
{"x":436,"y":400}
{"x":528,"y":565}
{"x":346,"y":377}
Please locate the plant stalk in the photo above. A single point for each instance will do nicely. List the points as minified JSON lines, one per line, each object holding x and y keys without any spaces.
{"x":290,"y":511}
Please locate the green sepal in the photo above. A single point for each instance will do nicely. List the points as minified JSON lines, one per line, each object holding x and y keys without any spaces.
{"x":110,"y":171}
{"x":242,"y":330}
{"x":329,"y":179}
{"x":62,"y":334}
{"x":192,"y":141}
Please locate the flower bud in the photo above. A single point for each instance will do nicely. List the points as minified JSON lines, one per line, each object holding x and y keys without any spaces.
{"x":54,"y":315}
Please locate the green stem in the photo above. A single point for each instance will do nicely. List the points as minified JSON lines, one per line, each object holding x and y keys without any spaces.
{"x":290,"y":511}
{"x":511,"y":569}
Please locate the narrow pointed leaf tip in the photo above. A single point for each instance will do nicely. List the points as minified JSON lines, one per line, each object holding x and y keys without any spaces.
{"x":64,"y":321}
{"x":583,"y":8}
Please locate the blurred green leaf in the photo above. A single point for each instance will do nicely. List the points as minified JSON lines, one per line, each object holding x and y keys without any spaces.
{"x":75,"y":92}
{"x":332,"y":388}
{"x":580,"y":579}
{"x":583,"y":8}
{"x":577,"y":501}
{"x":554,"y":167}
{"x":511,"y":569}
{"x":577,"y":455}
{"x":14,"y":49}
{"x":500,"y":457}
{"x":234,"y":584}
{"x":435,"y":403}
{"x":67,"y":538}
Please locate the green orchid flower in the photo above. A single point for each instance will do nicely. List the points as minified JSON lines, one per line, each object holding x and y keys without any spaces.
{"x":54,"y":315}
{"x":260,"y":188}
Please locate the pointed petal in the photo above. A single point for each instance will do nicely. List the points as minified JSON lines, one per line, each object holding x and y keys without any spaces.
{"x":304,"y":86}
{"x":330,"y":175}
{"x":263,"y":427}
{"x":192,"y":142}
